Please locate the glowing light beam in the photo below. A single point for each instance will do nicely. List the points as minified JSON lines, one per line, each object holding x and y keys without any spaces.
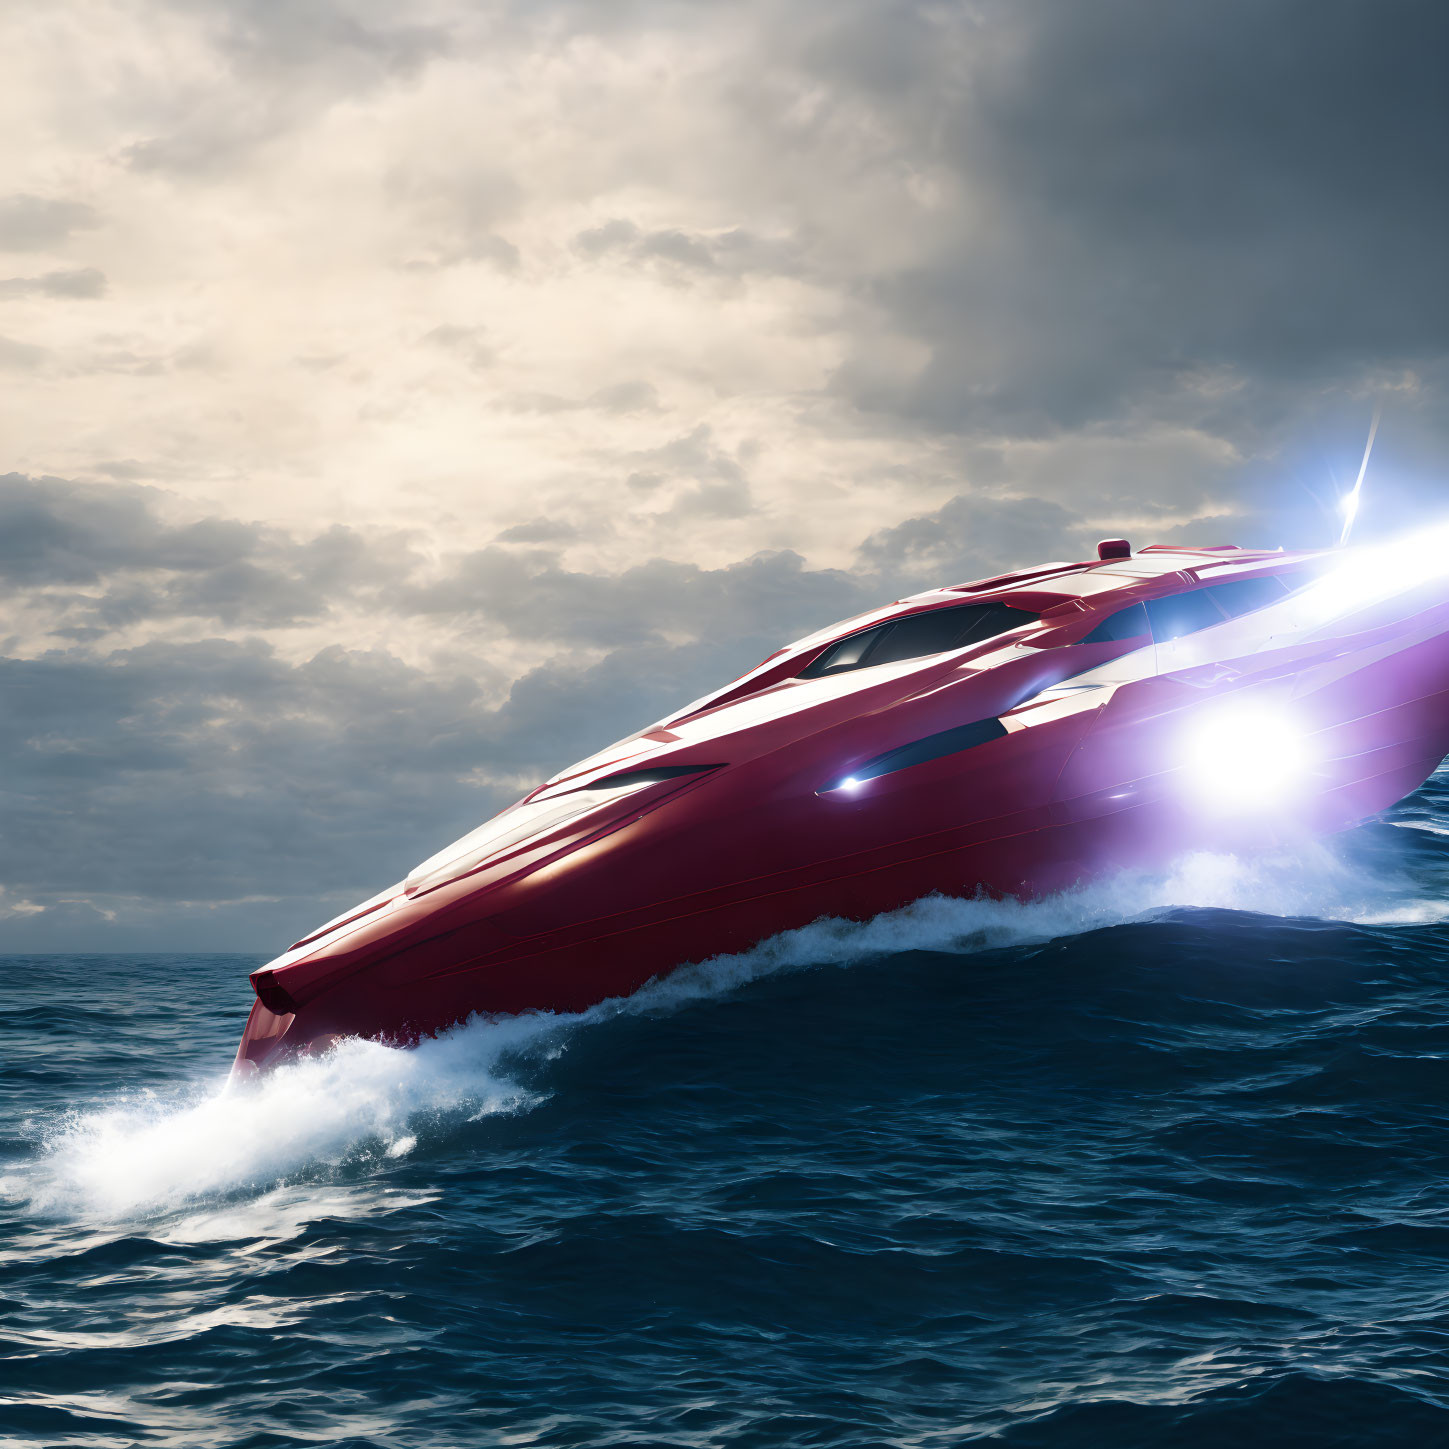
{"x":1350,"y":502}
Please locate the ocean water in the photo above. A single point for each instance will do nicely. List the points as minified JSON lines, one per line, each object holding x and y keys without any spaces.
{"x":1164,"y":1161}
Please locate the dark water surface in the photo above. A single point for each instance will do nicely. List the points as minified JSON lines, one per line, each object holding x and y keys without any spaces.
{"x":1162,"y":1163}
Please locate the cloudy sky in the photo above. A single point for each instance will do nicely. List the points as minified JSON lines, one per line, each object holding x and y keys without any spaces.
{"x":394,"y":409}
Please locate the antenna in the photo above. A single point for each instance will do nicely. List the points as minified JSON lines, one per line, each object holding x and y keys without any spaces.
{"x":1350,"y":503}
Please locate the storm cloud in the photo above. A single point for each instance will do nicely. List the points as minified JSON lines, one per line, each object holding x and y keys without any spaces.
{"x":1179,"y":190}
{"x":101,"y":556}
{"x":396,"y":410}
{"x":219,"y":774}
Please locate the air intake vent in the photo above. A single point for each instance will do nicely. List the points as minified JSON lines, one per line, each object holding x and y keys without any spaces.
{"x":634,"y":779}
{"x":932,"y":747}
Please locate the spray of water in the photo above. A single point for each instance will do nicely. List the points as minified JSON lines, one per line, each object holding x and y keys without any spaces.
{"x":363,"y":1105}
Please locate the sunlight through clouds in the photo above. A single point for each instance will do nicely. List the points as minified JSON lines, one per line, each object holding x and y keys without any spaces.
{"x":499,"y":373}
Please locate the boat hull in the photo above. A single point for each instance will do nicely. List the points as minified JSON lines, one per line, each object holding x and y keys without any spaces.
{"x":720,"y":862}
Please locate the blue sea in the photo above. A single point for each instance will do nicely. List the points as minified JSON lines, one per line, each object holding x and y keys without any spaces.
{"x":1160,"y":1162}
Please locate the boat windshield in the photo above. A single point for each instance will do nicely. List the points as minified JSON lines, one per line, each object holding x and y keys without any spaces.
{"x":1174,"y":615}
{"x":916,"y":636}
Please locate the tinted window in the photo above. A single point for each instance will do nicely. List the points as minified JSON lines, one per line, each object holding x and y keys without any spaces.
{"x":1180,"y":614}
{"x":932,"y":747}
{"x":922,"y":634}
{"x":1130,"y":623}
{"x":917,"y":636}
{"x":848,"y":654}
{"x":1242,"y":596}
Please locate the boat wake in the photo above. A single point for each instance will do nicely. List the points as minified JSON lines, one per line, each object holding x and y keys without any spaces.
{"x":363,"y":1107}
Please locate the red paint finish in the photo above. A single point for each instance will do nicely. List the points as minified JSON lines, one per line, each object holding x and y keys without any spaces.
{"x":626,"y":875}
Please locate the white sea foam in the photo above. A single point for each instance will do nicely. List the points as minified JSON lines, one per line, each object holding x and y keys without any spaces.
{"x":140,"y":1154}
{"x":1421,"y":825}
{"x":364,"y":1103}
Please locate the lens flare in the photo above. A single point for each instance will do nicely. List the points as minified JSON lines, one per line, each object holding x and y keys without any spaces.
{"x":1371,"y":574}
{"x":1351,"y":502}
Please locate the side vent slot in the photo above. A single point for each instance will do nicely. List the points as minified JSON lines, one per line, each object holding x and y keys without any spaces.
{"x":932,"y":747}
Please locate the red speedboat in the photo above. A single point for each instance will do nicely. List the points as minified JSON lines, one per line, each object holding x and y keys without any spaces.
{"x":1012,"y":736}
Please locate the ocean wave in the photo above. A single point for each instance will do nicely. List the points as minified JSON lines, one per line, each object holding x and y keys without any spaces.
{"x":363,"y":1104}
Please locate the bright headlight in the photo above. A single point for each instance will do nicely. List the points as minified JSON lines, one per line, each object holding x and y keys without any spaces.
{"x":1245,"y":757}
